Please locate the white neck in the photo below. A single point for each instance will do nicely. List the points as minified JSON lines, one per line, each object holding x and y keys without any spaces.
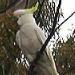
{"x":28,"y":18}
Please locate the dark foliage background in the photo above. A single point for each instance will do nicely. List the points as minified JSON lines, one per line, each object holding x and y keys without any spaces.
{"x":11,"y":55}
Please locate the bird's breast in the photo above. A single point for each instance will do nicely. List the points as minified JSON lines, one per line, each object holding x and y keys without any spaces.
{"x":29,"y":38}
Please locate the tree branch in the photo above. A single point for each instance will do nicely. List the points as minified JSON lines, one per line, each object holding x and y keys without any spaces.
{"x":33,"y":64}
{"x":65,"y":20}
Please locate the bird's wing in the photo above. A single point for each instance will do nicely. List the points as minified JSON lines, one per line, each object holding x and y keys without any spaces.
{"x":42,"y":39}
{"x":40,"y":35}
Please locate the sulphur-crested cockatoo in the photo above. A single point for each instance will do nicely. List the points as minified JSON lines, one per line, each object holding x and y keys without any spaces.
{"x":30,"y":39}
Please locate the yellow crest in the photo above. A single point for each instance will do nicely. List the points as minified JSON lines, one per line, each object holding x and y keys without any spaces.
{"x":32,"y":9}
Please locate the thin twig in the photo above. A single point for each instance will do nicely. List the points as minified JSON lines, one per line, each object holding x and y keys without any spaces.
{"x":65,"y":20}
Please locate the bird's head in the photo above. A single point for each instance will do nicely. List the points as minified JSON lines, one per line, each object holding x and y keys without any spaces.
{"x":25,"y":15}
{"x":21,"y":12}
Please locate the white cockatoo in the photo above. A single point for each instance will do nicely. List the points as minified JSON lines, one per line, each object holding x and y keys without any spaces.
{"x":30,"y":39}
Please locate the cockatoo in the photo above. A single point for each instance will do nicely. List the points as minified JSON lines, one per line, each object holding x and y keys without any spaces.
{"x":30,"y":39}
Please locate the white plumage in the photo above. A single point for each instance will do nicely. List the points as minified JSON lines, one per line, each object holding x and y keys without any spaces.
{"x":30,"y":39}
